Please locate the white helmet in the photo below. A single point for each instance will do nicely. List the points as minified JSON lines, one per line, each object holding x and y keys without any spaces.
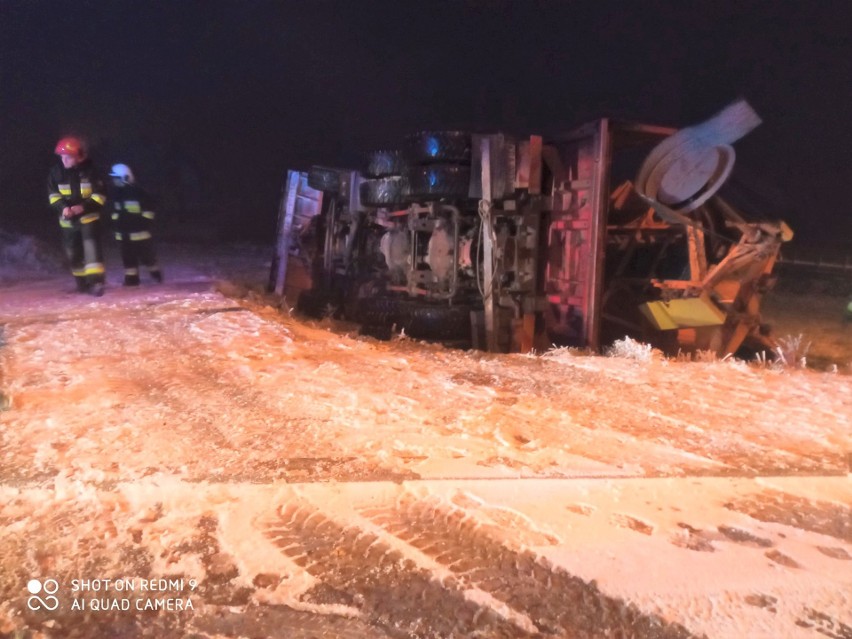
{"x":122,"y":172}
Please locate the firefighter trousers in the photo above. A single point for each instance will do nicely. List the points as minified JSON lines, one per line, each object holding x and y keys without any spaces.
{"x":136,"y":251}
{"x":81,"y":239}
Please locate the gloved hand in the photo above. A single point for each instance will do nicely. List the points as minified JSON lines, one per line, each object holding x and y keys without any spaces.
{"x":71,"y":211}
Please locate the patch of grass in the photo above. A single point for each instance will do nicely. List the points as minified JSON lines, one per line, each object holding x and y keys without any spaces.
{"x":792,"y":351}
{"x":820,"y":318}
{"x":629,"y":348}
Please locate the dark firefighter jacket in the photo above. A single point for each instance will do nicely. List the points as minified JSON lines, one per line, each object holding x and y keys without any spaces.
{"x":132,"y":212}
{"x":78,"y":185}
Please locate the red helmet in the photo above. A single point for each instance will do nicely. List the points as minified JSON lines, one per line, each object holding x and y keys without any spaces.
{"x":71,"y":146}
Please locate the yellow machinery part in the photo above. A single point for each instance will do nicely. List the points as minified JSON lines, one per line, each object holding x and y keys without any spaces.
{"x":690,"y":312}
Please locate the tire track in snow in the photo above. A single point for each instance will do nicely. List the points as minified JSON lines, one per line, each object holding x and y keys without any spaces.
{"x":363,"y":572}
{"x":558,"y":603}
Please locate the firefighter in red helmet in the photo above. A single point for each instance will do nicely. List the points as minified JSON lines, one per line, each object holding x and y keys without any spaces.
{"x":76,"y":192}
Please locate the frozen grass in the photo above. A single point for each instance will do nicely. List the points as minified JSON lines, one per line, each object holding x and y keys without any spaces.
{"x":629,"y":348}
{"x":792,"y":351}
{"x":399,"y":336}
{"x":562,"y":353}
{"x":820,"y":318}
{"x":557,"y":352}
{"x":703,"y":356}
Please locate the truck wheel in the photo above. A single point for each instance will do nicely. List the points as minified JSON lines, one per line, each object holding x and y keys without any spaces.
{"x":319,"y":303}
{"x":438,"y":181}
{"x":380,"y":311}
{"x":383,"y":191}
{"x":385,"y":163}
{"x":324,"y":179}
{"x":427,"y":147}
{"x":445,"y":323}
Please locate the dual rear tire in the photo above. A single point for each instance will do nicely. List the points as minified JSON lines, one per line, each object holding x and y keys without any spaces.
{"x":417,"y":319}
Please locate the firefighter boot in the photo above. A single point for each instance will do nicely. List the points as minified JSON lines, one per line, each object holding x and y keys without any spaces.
{"x":131,"y":280}
{"x":97,"y":289}
{"x":82,"y":284}
{"x":157,"y":276}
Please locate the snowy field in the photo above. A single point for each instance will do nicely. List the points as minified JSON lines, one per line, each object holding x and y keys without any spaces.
{"x":191,"y":460}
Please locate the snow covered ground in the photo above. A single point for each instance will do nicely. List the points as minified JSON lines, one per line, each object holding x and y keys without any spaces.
{"x":190,"y":460}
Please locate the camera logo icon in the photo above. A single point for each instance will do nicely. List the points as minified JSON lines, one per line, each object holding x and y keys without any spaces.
{"x":49,"y":588}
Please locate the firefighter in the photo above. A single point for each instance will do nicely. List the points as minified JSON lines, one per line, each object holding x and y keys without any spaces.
{"x":76,"y":193}
{"x":133,"y":219}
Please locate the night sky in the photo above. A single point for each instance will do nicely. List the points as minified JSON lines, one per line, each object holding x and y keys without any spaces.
{"x":211,"y":101}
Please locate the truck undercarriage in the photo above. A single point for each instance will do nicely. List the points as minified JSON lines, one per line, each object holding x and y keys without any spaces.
{"x":517,"y":244}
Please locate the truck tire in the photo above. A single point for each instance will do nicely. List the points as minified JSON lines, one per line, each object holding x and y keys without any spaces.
{"x":386,"y":191}
{"x":319,"y":303}
{"x":441,"y":323}
{"x":385,"y":163}
{"x":324,"y":179}
{"x":438,"y":181}
{"x":427,"y":147}
{"x":381,"y":311}
{"x":379,"y":315}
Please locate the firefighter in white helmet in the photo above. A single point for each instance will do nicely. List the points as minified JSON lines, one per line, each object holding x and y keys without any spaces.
{"x":133,"y":220}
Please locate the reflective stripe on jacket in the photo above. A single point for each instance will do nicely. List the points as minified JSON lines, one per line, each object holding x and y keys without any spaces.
{"x":132,"y":211}
{"x":78,"y":185}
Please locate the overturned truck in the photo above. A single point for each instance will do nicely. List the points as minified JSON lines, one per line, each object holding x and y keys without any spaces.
{"x":511,"y":245}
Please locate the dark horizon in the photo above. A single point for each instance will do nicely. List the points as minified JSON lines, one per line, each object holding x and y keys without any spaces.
{"x":211,"y":102}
